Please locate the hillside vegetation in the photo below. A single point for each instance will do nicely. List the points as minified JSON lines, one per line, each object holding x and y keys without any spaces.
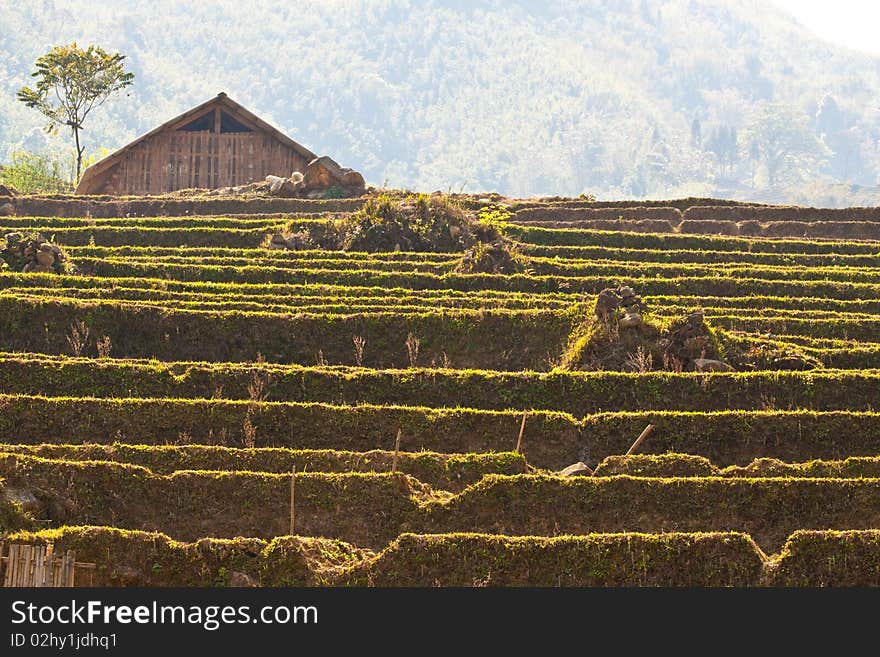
{"x":621,"y":99}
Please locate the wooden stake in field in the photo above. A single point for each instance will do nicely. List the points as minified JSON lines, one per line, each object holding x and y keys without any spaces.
{"x":396,"y":452}
{"x":522,"y":428}
{"x":292,"y":493}
{"x":639,"y":440}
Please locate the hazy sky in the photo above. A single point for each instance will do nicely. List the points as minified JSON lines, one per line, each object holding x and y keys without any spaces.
{"x":851,"y":23}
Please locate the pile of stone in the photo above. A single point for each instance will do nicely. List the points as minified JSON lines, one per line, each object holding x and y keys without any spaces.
{"x":322,"y":175}
{"x":621,"y":305}
{"x":688,"y":342}
{"x":32,"y":253}
{"x":294,"y":241}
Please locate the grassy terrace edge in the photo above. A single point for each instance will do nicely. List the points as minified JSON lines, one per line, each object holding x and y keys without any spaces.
{"x":809,"y":558}
{"x":192,"y":504}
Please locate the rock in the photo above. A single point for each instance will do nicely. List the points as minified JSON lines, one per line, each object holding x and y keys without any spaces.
{"x":579,"y":469}
{"x":37,"y":268}
{"x":127,"y":576}
{"x":688,"y":339}
{"x":278,"y":241}
{"x":294,"y":241}
{"x":796,"y":363}
{"x":7,"y":210}
{"x":25,"y":499}
{"x":606,"y":303}
{"x":710,"y":365}
{"x":282,"y":187}
{"x":5,"y":190}
{"x":693,"y":326}
{"x":60,"y":508}
{"x":45,"y":259}
{"x":242,"y":580}
{"x":630,"y":320}
{"x":31,"y":253}
{"x":322,"y":173}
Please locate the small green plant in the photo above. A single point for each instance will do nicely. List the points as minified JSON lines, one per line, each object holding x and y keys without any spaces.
{"x":222,"y":577}
{"x":493,"y":215}
{"x":334,"y":192}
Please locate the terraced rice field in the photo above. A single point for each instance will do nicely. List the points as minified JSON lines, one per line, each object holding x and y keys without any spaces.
{"x":153,"y":405}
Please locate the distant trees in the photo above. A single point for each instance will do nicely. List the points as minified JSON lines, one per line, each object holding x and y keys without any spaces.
{"x":723,"y":144}
{"x":778,"y":137}
{"x":836,"y":129}
{"x":429,"y":98}
{"x":70,"y":83}
{"x":31,"y":173}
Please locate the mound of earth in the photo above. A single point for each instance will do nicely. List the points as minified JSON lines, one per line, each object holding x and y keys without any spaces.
{"x":621,"y":336}
{"x":420,"y":223}
{"x":766,"y":356}
{"x":498,"y":257}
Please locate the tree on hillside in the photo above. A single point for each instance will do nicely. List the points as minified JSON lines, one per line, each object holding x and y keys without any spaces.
{"x":837,"y":130}
{"x":779,"y":137}
{"x":723,"y":144}
{"x":71,"y":82}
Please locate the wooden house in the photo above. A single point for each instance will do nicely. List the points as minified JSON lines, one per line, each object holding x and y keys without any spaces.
{"x":216,"y":144}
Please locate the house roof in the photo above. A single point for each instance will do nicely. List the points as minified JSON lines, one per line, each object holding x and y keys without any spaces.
{"x":91,"y":174}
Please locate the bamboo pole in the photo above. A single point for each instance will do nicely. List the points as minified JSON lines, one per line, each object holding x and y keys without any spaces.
{"x":522,"y":428}
{"x":26,"y":554}
{"x":48,"y":572}
{"x":292,"y":494}
{"x":61,"y":578}
{"x":39,"y":564}
{"x":70,"y":559}
{"x":396,"y":452}
{"x":31,"y":574}
{"x":57,"y":563}
{"x":11,"y":566}
{"x":639,"y":440}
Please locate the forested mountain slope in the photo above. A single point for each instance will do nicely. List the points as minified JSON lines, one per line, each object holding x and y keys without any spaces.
{"x":614,"y":98}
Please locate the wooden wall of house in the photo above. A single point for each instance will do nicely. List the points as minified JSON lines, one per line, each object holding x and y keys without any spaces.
{"x":174,"y":159}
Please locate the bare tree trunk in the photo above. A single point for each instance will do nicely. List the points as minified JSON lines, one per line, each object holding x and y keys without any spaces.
{"x":79,"y":154}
